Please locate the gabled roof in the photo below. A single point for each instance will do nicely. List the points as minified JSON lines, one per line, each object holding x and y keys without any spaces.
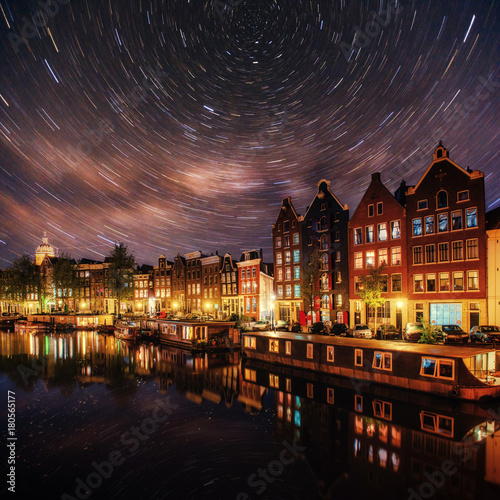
{"x":288,"y":201}
{"x":441,"y":154}
{"x":328,"y":190}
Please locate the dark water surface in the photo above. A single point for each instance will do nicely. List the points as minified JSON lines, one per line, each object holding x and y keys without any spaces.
{"x":100,"y":418}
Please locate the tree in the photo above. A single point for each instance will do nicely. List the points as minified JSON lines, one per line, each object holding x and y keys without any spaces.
{"x":121,"y":274}
{"x":64,"y":278}
{"x":311,"y":274}
{"x":24,"y":279}
{"x":373,"y":285}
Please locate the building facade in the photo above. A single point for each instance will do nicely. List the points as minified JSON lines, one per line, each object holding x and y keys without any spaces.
{"x":210,"y":271}
{"x":377,"y":238}
{"x":325,"y":228}
{"x":229,"y":287}
{"x":287,"y":257}
{"x":179,"y":285}
{"x":493,"y":266}
{"x":445,"y":213}
{"x":163,"y":285}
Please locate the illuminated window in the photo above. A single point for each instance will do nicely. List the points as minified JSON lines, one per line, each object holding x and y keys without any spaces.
{"x":473,"y":280}
{"x":417,"y":227}
{"x":274,"y":345}
{"x":358,"y":260}
{"x":382,"y":361}
{"x":370,"y":237}
{"x":309,"y":351}
{"x":471,"y":217}
{"x":396,"y":256}
{"x":358,"y":357}
{"x":330,"y":353}
{"x":436,"y":367}
{"x":395,"y":229}
{"x":358,"y":236}
{"x":250,"y":342}
{"x":382,"y":231}
{"x":288,"y":348}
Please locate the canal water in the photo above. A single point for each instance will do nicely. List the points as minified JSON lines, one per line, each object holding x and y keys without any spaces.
{"x":96,"y":418}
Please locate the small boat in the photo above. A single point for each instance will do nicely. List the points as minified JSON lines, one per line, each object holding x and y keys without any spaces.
{"x":24,"y":326}
{"x":106,"y":329}
{"x":127,"y":330}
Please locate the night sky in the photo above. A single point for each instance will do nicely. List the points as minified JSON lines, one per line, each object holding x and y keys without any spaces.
{"x":179,"y":125}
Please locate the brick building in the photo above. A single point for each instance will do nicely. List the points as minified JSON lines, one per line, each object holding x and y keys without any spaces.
{"x":211,"y":286}
{"x":229,"y":287}
{"x":163,"y":285}
{"x":178,"y":275}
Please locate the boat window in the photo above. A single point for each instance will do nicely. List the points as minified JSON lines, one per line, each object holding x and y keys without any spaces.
{"x":250,"y":342}
{"x":329,"y":395}
{"x":358,"y":357}
{"x":250,"y":375}
{"x":358,"y":402}
{"x":288,"y":347}
{"x":330,"y":353}
{"x":310,"y":351}
{"x":382,"y":409}
{"x":274,"y":345}
{"x":382,"y":361}
{"x":274,"y":381}
{"x":437,"y":424}
{"x":441,"y":368}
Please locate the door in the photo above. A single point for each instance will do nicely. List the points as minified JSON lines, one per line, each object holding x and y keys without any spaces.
{"x":474,"y":319}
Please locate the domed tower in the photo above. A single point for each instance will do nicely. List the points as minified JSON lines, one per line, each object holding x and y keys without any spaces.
{"x":44,"y":250}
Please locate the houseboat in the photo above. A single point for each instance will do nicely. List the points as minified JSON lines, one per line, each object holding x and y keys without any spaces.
{"x":24,"y":326}
{"x":193,"y":334}
{"x":467,"y":373}
{"x":127,"y":330}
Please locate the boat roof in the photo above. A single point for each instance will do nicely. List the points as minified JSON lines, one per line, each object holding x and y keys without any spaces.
{"x":194,"y":322}
{"x":456,"y":351}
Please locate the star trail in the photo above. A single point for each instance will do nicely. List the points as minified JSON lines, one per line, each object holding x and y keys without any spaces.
{"x":180,"y":125}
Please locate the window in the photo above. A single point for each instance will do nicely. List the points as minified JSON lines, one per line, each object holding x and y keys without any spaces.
{"x":472,"y":249}
{"x":430,"y":254}
{"x":370,"y":237}
{"x":395,"y":229}
{"x":435,"y":367}
{"x":370,"y":258}
{"x":442,"y":223}
{"x":338,"y":277}
{"x":324,"y":262}
{"x":286,"y":226}
{"x":288,"y":347}
{"x":444,"y":282}
{"x":422,"y":205}
{"x":471,"y":216}
{"x":279,"y":262}
{"x":296,"y":272}
{"x":288,"y":290}
{"x":396,"y":282}
{"x":323,"y":242}
{"x":457,"y":252}
{"x":337,"y":256}
{"x":442,"y":199}
{"x":280,"y":291}
{"x":382,"y":257}
{"x":396,"y":256}
{"x":473,"y":280}
{"x":274,"y":381}
{"x":250,"y":342}
{"x":463,"y":195}
{"x":358,"y":402}
{"x":438,"y":424}
{"x":286,"y":241}
{"x":358,"y":357}
{"x":456,"y":220}
{"x":417,"y":227}
{"x":429,"y":224}
{"x":296,"y":238}
{"x":417,"y":255}
{"x":288,"y":273}
{"x":279,"y":274}
{"x":418,"y":283}
{"x":337,"y":235}
{"x":309,"y":351}
{"x":431,"y":282}
{"x":358,"y":286}
{"x":296,"y":291}
{"x":382,"y":361}
{"x":323,"y":226}
{"x":358,"y":236}
{"x":371,"y":211}
{"x":443,"y":252}
{"x":338,"y":299}
{"x":329,"y":395}
{"x":358,"y":260}
{"x":382,"y":231}
{"x":380,"y":208}
{"x":325,"y":302}
{"x":458,"y":281}
{"x":288,"y":257}
{"x":330,"y":353}
{"x":296,"y":256}
{"x":382,"y":409}
{"x":274,"y":345}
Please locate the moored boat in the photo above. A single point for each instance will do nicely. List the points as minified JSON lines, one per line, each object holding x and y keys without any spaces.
{"x":127,"y":330}
{"x":24,"y":326}
{"x":466,"y":373}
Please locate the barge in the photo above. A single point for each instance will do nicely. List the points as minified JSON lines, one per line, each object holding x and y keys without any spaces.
{"x":127,"y":330}
{"x":466,"y":373}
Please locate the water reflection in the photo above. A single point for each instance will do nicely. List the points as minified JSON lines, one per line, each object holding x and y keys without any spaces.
{"x":240,"y":429}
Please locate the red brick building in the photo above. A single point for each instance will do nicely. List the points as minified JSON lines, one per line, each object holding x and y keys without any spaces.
{"x":210,"y":271}
{"x":377,"y":236}
{"x":447,"y":245}
{"x":193,"y":282}
{"x":179,"y":284}
{"x":163,"y":285}
{"x":229,"y":287}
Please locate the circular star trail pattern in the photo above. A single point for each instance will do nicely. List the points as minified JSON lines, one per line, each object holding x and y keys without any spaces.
{"x":180,"y":125}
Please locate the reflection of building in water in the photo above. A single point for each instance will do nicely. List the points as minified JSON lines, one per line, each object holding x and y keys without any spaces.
{"x":250,"y":394}
{"x":198,"y":376}
{"x":492,"y":474}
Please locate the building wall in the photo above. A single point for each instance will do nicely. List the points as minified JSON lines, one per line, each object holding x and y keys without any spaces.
{"x":493,"y":267}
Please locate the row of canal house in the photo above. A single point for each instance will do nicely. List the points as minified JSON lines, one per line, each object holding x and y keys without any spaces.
{"x":431,"y":239}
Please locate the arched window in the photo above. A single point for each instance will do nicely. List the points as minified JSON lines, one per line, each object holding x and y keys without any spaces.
{"x":439,"y":153}
{"x":324,"y":281}
{"x":442,"y":199}
{"x":325,"y":302}
{"x":323,"y":226}
{"x":323,"y":242}
{"x":324,"y":261}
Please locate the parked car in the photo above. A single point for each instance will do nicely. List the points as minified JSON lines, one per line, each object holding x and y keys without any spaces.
{"x":262,"y":325}
{"x":485,"y":333}
{"x":282,"y":325}
{"x":318,"y":328}
{"x":387,"y":332}
{"x":296,"y":328}
{"x":339,"y":329}
{"x":413,"y":332}
{"x":362,"y":331}
{"x":450,"y":333}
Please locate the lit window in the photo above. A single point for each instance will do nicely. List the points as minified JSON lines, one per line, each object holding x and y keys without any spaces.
{"x":382,"y":257}
{"x":370,"y":237}
{"x":417,"y":227}
{"x":382,"y":361}
{"x":395,"y":229}
{"x":473,"y":280}
{"x":358,"y":236}
{"x":330,"y":353}
{"x":382,"y":231}
{"x":458,"y":281}
{"x":418,"y":283}
{"x":429,"y":224}
{"x":274,"y":345}
{"x":396,"y":256}
{"x":471,"y":216}
{"x":442,"y":223}
{"x":370,"y":258}
{"x":358,"y":260}
{"x":309,"y":351}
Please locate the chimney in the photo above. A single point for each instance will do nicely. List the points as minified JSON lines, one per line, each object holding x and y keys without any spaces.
{"x":376,"y":176}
